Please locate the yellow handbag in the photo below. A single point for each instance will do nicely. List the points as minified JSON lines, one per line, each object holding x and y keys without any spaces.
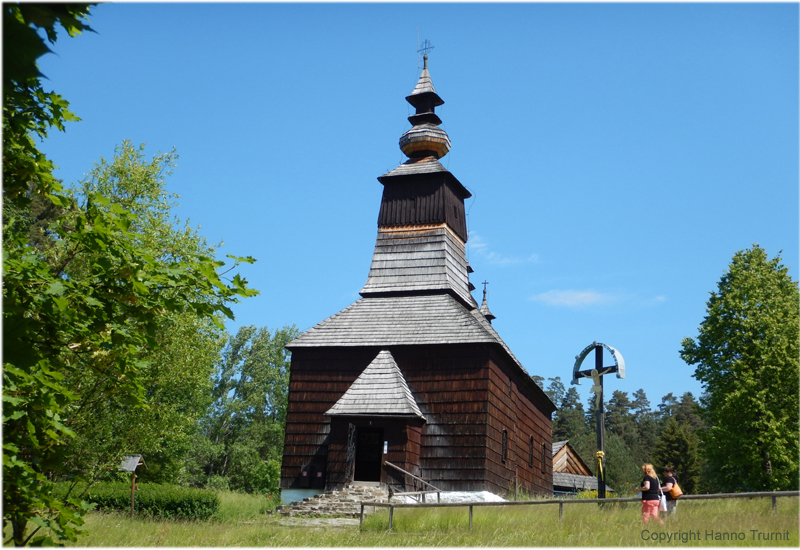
{"x":675,"y":492}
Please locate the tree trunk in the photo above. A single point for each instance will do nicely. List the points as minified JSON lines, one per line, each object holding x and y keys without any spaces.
{"x":766,"y":464}
{"x":18,"y":525}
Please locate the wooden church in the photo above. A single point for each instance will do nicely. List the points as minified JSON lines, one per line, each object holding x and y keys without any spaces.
{"x":413,"y":373}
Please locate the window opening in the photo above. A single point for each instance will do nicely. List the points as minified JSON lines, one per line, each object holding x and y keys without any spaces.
{"x":530,"y":453}
{"x":544,"y":450}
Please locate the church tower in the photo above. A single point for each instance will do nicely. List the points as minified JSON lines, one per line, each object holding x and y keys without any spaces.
{"x":414,"y":373}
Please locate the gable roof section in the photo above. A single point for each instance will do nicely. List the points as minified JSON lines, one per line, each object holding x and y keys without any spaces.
{"x":570,"y":472}
{"x":381,"y":390}
{"x":557,"y":445}
{"x":567,"y":460}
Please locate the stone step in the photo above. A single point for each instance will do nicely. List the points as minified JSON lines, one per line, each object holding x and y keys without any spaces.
{"x":345,"y":502}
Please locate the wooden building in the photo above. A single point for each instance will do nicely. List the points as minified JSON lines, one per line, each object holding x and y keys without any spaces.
{"x":570,"y":473}
{"x":413,"y":372}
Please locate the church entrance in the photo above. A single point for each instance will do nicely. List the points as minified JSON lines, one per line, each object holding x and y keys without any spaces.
{"x":369,"y":449}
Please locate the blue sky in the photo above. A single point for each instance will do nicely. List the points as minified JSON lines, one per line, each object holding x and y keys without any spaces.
{"x":618,"y":154}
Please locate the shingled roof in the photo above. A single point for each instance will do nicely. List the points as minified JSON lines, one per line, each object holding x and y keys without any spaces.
{"x":385,"y":321}
{"x":575,"y":482}
{"x":415,"y":166}
{"x":416,"y":260}
{"x":381,"y":390}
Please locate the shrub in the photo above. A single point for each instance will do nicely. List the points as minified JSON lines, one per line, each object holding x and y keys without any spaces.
{"x":217,"y":483}
{"x":151,"y":499}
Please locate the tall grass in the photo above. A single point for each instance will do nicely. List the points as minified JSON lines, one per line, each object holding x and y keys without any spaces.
{"x":592,"y":525}
{"x":241,"y":522}
{"x":241,"y":507}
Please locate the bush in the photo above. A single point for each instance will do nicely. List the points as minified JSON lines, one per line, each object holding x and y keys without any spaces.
{"x":151,"y":499}
{"x":217,"y":483}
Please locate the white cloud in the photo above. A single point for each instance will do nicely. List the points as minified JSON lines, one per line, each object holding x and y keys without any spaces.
{"x":574,"y":298}
{"x":588,"y":298}
{"x":476,"y":245}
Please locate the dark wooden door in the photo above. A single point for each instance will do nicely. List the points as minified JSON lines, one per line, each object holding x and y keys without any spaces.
{"x":369,"y":448}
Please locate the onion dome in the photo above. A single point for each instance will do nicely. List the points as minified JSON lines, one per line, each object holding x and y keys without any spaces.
{"x":425,"y":138}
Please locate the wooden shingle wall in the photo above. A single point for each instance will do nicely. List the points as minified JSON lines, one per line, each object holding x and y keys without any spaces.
{"x":428,"y":199}
{"x":450,"y":388}
{"x":316,"y":381}
{"x":462,"y":390}
{"x":513,"y":408}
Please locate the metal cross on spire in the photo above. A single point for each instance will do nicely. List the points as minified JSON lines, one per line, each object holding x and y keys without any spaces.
{"x":424,"y":48}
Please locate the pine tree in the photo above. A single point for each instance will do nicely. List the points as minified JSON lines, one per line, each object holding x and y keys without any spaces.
{"x":688,"y":412}
{"x":620,"y":419}
{"x":646,"y":428}
{"x":666,"y":409}
{"x":569,"y":422}
{"x":678,"y":447}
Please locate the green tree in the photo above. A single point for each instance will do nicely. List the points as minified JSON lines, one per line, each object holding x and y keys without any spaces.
{"x":746,"y":356}
{"x":176,"y":378}
{"x":620,"y":419}
{"x":688,"y":413}
{"x":591,"y":412}
{"x":569,"y":420}
{"x":621,"y":471}
{"x":85,"y":294}
{"x":678,"y":446}
{"x":29,"y":112}
{"x":646,"y":428}
{"x":666,"y":409}
{"x":555,"y":390}
{"x":243,"y":442}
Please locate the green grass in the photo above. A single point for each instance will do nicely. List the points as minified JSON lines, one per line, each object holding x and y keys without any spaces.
{"x":241,"y":522}
{"x":242,"y":507}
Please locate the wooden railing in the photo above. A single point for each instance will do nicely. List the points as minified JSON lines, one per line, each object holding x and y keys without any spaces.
{"x":561,"y":502}
{"x":412,"y":493}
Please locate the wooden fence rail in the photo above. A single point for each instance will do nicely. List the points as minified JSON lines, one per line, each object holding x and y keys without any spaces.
{"x":561,"y":502}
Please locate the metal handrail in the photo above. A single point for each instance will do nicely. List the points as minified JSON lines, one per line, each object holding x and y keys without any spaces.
{"x":435,"y":489}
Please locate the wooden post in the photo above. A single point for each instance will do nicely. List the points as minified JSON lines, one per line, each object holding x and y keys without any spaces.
{"x":391,"y":515}
{"x":470,"y":516}
{"x":560,"y":510}
{"x":601,"y":424}
{"x":774,"y":505}
{"x":361,"y":521}
{"x":133,"y":488}
{"x":516,"y":483}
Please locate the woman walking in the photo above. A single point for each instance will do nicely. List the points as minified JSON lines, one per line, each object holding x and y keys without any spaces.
{"x":669,"y":483}
{"x":650,"y":489}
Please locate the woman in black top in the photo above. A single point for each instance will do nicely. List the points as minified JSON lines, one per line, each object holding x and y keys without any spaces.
{"x":669,"y":482}
{"x":650,"y":489}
